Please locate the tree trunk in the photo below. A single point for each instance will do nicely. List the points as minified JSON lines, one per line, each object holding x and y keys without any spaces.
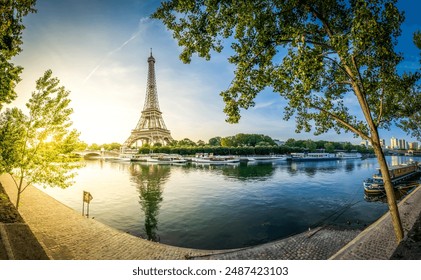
{"x":19,"y":193}
{"x":390,"y":193}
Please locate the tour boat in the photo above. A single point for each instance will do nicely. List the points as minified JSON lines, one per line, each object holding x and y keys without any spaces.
{"x":342,"y":155}
{"x":211,"y":159}
{"x":131,"y":157}
{"x":166,"y":159}
{"x":312,"y":156}
{"x":267,"y":158}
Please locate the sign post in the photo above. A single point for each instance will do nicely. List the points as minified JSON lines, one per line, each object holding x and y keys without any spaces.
{"x":87,"y":197}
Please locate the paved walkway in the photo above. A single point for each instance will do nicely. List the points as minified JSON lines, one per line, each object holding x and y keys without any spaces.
{"x":317,"y":244}
{"x":377,"y":242}
{"x":65,"y":234}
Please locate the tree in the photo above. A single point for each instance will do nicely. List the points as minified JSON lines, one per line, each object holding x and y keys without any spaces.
{"x":94,"y":147}
{"x":329,"y":147}
{"x":215,"y":141}
{"x":311,"y":145}
{"x":11,"y":27}
{"x":114,"y":146}
{"x":417,"y":39}
{"x":186,"y":142}
{"x":228,"y":141}
{"x":316,"y":54}
{"x":201,"y":143}
{"x":40,"y":146}
{"x":12,"y":131}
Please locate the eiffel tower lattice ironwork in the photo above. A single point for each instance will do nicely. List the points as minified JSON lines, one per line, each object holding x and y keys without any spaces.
{"x":151,"y":128}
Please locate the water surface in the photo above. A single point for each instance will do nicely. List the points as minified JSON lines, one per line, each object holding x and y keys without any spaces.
{"x":219,"y":207}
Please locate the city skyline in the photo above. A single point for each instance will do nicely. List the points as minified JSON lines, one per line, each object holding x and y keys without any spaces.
{"x":99,"y":49}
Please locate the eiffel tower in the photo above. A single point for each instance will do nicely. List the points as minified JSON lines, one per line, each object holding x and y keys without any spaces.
{"x":151,"y":128}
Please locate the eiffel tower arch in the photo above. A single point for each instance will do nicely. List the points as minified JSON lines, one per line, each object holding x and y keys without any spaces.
{"x":150,"y":128}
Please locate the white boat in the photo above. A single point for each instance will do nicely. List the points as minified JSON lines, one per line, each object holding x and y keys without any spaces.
{"x":312,"y":156}
{"x":130,"y":157}
{"x":343,"y":155}
{"x":211,"y":159}
{"x":166,"y":159}
{"x":267,"y":158}
{"x":125,"y":157}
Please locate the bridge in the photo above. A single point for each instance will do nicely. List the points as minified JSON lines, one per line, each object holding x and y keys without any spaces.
{"x":402,"y":152}
{"x":97,"y":154}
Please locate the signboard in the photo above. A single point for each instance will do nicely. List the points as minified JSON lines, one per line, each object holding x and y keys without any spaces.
{"x":87,"y":197}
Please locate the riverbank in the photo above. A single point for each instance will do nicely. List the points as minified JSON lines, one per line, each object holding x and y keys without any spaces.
{"x":63,"y":233}
{"x":17,"y":242}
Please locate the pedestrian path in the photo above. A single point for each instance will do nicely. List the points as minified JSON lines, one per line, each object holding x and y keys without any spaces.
{"x":316,"y":244}
{"x":378,"y":242}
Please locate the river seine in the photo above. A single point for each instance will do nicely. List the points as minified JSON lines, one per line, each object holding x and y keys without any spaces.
{"x":231,"y":206}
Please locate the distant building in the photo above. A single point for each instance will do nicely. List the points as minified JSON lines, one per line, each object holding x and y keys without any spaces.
{"x":402,"y":144}
{"x":413,"y":145}
{"x":394,"y":143}
{"x":382,"y":143}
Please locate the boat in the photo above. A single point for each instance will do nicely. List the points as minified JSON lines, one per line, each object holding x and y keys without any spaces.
{"x":166,"y":159}
{"x":376,"y":189}
{"x":124,"y":157}
{"x":399,"y":175}
{"x":267,"y":158}
{"x":369,"y":181}
{"x":312,"y":156}
{"x":130,"y":157}
{"x":343,"y":155}
{"x":407,"y":186}
{"x":211,"y":159}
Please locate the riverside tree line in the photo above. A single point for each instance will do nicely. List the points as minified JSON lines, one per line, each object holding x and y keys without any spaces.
{"x":241,"y":144}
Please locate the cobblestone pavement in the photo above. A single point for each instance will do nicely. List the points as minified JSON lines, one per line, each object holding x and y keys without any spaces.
{"x":65,"y":234}
{"x":317,"y":244}
{"x":377,"y":242}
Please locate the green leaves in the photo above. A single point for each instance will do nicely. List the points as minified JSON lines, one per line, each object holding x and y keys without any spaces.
{"x":11,"y":27}
{"x":38,"y":148}
{"x":337,"y":51}
{"x":12,"y":133}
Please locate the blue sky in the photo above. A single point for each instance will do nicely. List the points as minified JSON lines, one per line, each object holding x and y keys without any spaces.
{"x":99,"y":50}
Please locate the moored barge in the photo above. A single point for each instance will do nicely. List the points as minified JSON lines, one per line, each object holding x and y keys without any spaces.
{"x":399,"y":174}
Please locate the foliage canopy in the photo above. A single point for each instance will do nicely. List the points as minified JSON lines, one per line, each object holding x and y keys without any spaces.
{"x":319,"y":55}
{"x":11,"y":27}
{"x":38,"y":148}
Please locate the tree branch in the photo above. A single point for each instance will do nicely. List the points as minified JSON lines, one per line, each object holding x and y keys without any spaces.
{"x":358,"y":73}
{"x":341,"y":121}
{"x":341,"y":67}
{"x":379,"y":117}
{"x":14,"y":180}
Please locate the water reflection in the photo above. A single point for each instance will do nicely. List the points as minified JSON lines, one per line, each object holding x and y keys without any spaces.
{"x":311,"y":168}
{"x":244,"y":172}
{"x":150,"y":180}
{"x":349,"y":166}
